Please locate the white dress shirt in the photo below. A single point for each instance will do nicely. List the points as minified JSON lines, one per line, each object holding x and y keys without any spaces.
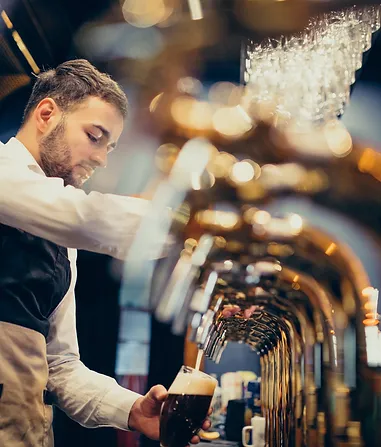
{"x":69,"y":217}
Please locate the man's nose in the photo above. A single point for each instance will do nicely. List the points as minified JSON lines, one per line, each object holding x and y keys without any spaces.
{"x":99,"y":158}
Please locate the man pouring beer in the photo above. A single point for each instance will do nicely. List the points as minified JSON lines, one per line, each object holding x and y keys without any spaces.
{"x":73,"y":119}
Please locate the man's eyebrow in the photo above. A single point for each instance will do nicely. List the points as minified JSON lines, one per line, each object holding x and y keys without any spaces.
{"x":106,"y":133}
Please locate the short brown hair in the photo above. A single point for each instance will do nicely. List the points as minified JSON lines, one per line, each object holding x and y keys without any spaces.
{"x":73,"y":82}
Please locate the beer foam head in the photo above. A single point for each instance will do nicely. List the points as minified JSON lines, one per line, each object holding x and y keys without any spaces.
{"x":192,"y":384}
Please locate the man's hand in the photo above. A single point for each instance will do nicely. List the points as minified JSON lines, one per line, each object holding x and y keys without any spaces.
{"x":145,"y":414}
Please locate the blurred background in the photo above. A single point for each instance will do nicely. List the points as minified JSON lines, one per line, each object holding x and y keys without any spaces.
{"x":141,"y":45}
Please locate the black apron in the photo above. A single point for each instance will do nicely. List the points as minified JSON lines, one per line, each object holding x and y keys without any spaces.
{"x":34,"y":277}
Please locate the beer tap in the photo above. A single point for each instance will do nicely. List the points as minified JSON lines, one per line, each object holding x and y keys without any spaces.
{"x":181,"y":280}
{"x":202,"y":299}
{"x":199,"y":306}
{"x":152,"y":237}
{"x":219,"y":351}
{"x":217,"y":334}
{"x":218,"y":347}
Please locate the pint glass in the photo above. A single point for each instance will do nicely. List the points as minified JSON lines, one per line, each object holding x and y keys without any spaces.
{"x":186,"y":407}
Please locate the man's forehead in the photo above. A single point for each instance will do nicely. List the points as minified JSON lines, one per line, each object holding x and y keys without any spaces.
{"x":98,"y":105}
{"x":103,"y":115}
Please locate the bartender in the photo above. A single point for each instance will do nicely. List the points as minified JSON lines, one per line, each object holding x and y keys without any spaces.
{"x":73,"y":119}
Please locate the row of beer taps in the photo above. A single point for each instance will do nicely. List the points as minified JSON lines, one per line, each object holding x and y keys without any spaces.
{"x":297,"y":296}
{"x":234,"y":272}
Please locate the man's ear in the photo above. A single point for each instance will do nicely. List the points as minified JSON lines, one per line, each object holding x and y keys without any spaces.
{"x":47,"y":114}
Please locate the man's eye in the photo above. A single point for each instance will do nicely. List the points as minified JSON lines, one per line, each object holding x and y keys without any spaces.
{"x":92,"y":138}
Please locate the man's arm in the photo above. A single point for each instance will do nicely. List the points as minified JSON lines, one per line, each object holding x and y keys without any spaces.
{"x":90,"y":398}
{"x":44,"y":207}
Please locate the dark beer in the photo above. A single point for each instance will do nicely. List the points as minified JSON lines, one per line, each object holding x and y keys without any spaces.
{"x":182,"y":416}
{"x":185,"y":409}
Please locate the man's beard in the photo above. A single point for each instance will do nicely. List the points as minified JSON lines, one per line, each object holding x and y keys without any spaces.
{"x":55,"y":155}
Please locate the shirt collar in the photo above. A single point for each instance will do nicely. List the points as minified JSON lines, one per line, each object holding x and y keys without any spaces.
{"x":17,"y":151}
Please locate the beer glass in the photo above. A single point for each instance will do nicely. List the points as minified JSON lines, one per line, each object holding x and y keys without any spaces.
{"x":185,"y":407}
